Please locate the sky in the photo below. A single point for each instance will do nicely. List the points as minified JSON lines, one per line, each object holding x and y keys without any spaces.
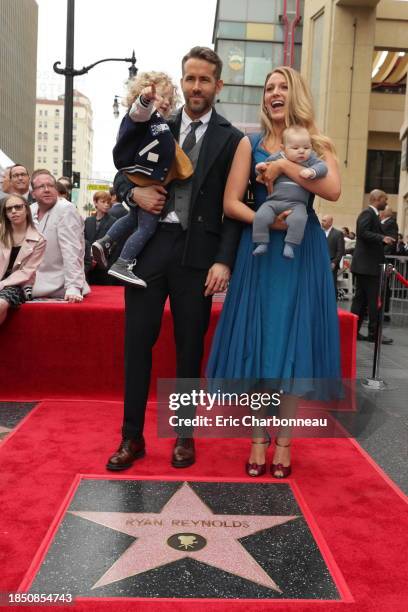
{"x":160,"y":32}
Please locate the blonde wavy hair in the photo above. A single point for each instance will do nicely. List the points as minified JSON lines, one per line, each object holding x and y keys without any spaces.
{"x":144,"y":79}
{"x":299,"y":110}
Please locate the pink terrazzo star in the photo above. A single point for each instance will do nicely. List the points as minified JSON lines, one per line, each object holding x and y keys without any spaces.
{"x":185,"y":516}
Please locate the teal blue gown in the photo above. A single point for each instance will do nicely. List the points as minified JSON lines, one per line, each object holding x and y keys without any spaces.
{"x":279,"y":320}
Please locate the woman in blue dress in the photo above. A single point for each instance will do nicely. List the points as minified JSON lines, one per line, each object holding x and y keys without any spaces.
{"x":279,"y":319}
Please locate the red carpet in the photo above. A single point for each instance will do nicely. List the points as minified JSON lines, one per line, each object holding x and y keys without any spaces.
{"x":362,"y":519}
{"x":76,"y":350}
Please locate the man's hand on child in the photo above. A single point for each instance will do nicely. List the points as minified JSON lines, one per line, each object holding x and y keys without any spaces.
{"x":152,"y":198}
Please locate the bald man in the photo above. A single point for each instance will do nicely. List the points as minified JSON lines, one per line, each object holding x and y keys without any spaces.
{"x":368,"y":255}
{"x":335,"y":242}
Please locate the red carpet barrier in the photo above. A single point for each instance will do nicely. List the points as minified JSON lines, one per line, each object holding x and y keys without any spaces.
{"x":76,"y":350}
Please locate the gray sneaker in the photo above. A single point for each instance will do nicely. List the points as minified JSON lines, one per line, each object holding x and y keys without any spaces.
{"x":123,"y":269}
{"x":101,"y":249}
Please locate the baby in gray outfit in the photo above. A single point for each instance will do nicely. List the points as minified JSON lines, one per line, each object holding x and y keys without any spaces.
{"x":288,"y":195}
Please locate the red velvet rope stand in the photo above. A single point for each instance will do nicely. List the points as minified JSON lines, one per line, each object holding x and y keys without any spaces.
{"x":399,"y":277}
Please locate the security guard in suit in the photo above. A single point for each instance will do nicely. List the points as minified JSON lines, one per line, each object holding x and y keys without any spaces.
{"x":368,"y":255}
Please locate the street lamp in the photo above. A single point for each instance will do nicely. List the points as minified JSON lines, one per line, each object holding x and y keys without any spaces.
{"x":69,"y":72}
{"x":115,"y":106}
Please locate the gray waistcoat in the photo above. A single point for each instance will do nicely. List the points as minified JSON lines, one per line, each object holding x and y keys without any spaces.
{"x":180,"y":193}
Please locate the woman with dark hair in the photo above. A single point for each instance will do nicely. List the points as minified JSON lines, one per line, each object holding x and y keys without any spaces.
{"x":21,"y":252}
{"x":279,"y":323}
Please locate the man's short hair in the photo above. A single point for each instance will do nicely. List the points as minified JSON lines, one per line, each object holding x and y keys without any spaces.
{"x":62,"y":190}
{"x":17,"y":166}
{"x":206,"y":54}
{"x":65,"y":180}
{"x":38,"y":172}
{"x":101,"y":195}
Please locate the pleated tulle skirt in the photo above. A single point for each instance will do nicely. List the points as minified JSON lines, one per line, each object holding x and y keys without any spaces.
{"x":279,"y":321}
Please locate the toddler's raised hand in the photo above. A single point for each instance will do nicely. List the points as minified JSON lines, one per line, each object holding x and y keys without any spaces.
{"x":149,"y":92}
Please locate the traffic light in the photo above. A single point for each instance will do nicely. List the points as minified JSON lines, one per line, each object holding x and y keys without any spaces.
{"x":76,"y":180}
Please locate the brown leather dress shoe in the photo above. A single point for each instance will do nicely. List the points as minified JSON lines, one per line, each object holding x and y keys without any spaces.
{"x":128,"y":451}
{"x":183,"y":453}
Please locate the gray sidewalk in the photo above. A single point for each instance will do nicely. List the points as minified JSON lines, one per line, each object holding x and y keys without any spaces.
{"x":383,"y":415}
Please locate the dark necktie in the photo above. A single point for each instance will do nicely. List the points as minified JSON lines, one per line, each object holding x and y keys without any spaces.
{"x":190,"y":139}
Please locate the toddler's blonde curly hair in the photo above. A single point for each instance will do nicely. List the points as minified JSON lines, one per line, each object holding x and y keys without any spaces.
{"x":144,"y":79}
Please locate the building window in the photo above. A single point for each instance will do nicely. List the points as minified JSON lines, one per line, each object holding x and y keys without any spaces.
{"x":55,"y":149}
{"x":44,"y":160}
{"x":56,"y":136}
{"x":55,"y":160}
{"x":260,"y":58}
{"x":39,"y":160}
{"x":383,"y":171}
{"x":231,"y":29}
{"x":39,"y":148}
{"x":56,"y":126}
{"x":55,"y":171}
{"x":57,"y":112}
{"x":265,"y":10}
{"x":260,"y":31}
{"x":40,"y":113}
{"x":39,"y":135}
{"x":233,"y":94}
{"x":45,"y":124}
{"x":46,"y":113}
{"x":255,"y":10}
{"x":40,"y":124}
{"x":45,"y":148}
{"x":247,"y":63}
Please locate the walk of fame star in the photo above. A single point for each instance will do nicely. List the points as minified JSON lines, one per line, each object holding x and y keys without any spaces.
{"x":186,"y":527}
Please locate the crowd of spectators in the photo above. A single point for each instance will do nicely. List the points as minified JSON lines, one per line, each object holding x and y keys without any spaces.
{"x":66,"y":267}
{"x":45,"y":244}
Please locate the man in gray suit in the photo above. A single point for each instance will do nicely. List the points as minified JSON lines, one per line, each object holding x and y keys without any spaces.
{"x":335,"y":242}
{"x":61,"y":272}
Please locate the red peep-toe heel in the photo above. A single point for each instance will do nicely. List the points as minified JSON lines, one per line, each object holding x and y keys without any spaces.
{"x":256,"y":469}
{"x":279,"y":467}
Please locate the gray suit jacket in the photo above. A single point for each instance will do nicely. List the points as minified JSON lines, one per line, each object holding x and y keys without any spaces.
{"x":62,"y":268}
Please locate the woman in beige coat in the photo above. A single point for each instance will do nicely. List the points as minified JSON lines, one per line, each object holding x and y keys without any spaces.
{"x":21,"y":250}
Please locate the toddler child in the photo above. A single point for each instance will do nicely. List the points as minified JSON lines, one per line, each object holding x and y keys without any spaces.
{"x":148,"y":154}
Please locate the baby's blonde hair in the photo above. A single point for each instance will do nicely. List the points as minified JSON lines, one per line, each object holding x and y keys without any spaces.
{"x":144,"y":79}
{"x":293,"y":129}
